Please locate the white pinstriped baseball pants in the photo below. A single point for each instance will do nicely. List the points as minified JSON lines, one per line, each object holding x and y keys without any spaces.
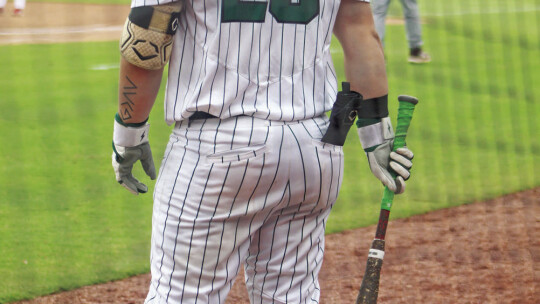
{"x":243,"y":190}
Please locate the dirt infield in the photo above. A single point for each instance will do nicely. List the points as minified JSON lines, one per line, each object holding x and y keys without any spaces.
{"x":486,"y":252}
{"x":67,"y":22}
{"x":62,"y":22}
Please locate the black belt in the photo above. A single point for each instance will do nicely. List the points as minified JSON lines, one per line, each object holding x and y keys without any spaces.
{"x":201,"y":115}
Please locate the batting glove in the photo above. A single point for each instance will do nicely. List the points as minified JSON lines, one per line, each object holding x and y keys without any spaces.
{"x":130,"y":143}
{"x":377,"y":138}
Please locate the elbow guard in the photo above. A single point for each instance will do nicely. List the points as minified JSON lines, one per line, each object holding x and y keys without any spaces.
{"x":148,"y":35}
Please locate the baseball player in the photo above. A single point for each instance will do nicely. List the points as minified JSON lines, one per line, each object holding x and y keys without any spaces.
{"x":246,"y":178}
{"x":413,"y":27}
{"x":18,"y":4}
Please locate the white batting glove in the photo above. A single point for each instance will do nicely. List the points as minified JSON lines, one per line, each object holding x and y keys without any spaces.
{"x":130,"y":143}
{"x":377,"y":138}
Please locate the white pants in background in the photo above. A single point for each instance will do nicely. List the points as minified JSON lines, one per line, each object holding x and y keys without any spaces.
{"x":19,"y":4}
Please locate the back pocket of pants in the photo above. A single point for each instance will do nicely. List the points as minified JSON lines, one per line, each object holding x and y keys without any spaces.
{"x":236,"y":154}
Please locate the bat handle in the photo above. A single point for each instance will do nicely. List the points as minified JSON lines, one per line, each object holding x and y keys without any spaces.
{"x":405,"y":113}
{"x":406,"y":108}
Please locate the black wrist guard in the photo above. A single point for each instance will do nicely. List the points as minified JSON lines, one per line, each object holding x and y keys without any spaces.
{"x":374,"y":108}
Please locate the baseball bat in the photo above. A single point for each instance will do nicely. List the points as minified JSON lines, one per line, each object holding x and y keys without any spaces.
{"x":369,"y":289}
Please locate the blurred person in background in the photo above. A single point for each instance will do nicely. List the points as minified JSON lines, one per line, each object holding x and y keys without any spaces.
{"x":18,"y":4}
{"x":413,"y":27}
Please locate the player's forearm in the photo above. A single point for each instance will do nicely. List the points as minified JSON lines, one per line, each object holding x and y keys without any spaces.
{"x":364,"y":66}
{"x":364,"y":59}
{"x":137,"y":91}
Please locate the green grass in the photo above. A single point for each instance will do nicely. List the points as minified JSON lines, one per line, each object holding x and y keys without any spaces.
{"x":474,"y":131}
{"x":65,"y":223}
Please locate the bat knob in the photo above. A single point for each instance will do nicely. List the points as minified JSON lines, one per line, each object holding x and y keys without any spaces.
{"x":408,"y":98}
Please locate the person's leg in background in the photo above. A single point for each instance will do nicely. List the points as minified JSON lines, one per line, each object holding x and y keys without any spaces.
{"x":413,"y":30}
{"x":20,"y":5}
{"x":380,"y":9}
{"x":2,"y":5}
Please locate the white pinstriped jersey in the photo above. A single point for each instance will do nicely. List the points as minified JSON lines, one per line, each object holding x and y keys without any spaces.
{"x":260,"y":68}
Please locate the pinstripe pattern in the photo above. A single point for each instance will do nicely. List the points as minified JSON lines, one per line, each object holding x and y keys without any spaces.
{"x":255,"y":69}
{"x":255,"y":187}
{"x":243,"y":190}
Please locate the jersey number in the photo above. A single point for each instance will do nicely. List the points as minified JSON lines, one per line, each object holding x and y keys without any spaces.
{"x":284,"y":11}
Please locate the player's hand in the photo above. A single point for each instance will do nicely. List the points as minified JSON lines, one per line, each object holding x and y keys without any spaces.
{"x":377,"y":138}
{"x":130,"y":144}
